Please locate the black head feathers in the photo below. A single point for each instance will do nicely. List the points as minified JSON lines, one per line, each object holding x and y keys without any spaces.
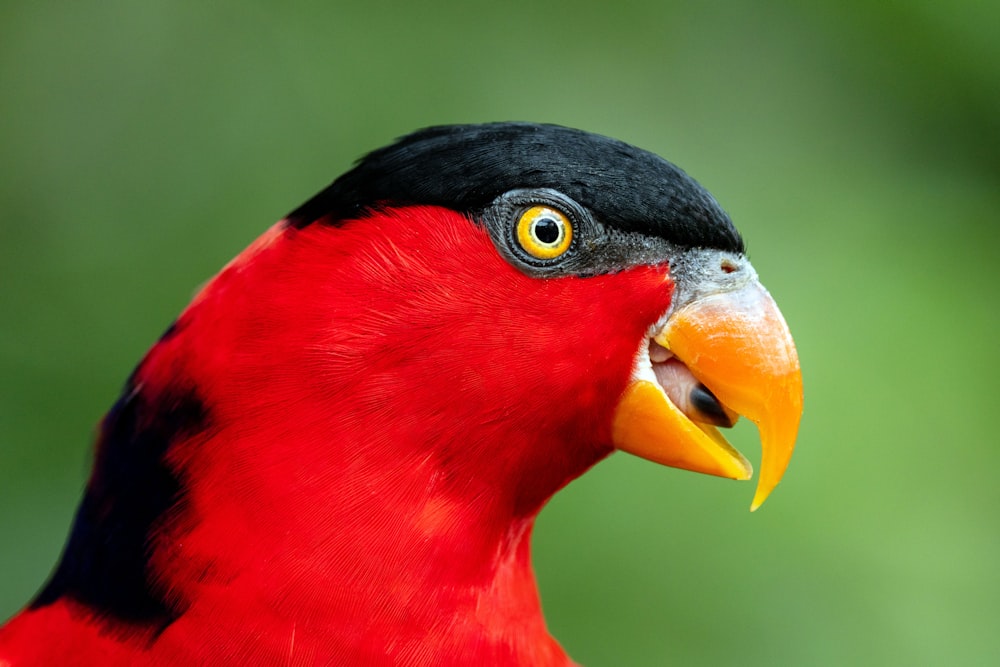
{"x":466,"y":167}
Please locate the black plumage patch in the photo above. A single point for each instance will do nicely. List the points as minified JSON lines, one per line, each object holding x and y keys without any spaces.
{"x":171,"y":331}
{"x":105,"y":565}
{"x":466,"y":167}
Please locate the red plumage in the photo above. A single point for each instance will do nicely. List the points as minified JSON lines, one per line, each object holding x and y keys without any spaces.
{"x":390,"y":403}
{"x":337,"y":452}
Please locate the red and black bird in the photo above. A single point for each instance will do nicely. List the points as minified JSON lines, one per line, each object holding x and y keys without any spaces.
{"x":336,"y":454}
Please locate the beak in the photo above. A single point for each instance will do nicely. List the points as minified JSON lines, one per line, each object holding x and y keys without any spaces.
{"x":738,"y":346}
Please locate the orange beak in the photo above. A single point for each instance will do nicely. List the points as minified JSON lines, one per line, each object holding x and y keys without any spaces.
{"x":738,"y":346}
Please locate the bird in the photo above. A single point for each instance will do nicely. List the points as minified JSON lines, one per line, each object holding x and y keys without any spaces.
{"x":336,"y":453}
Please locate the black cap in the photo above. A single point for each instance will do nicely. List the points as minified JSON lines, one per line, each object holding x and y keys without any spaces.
{"x":466,"y":167}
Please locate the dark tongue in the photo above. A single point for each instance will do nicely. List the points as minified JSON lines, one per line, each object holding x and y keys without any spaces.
{"x":690,"y":396}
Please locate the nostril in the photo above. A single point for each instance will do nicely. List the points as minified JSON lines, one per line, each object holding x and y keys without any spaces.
{"x":728,"y":266}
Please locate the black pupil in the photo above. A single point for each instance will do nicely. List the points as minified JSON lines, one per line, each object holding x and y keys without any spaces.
{"x":547,"y":231}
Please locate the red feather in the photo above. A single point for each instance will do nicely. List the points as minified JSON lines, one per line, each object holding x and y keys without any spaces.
{"x":389,"y":405}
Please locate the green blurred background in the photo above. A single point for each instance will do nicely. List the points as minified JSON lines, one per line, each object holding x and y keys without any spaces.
{"x":857,"y":146}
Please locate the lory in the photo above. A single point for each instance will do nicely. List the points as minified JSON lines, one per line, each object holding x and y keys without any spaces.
{"x":336,"y":453}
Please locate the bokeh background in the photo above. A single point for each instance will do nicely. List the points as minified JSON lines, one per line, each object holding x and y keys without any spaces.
{"x":857,"y":146}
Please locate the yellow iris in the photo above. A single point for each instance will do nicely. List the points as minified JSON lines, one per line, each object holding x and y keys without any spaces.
{"x":544,"y":232}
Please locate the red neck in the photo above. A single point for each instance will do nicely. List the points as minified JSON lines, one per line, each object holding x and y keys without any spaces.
{"x":266,"y":578}
{"x":379,"y":423}
{"x":369,"y":484}
{"x":363,"y":561}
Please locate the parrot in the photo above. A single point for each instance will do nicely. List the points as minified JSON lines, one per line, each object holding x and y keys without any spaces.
{"x":336,"y":453}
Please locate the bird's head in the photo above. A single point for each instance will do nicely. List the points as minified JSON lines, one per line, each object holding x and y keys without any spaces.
{"x":515,"y":300}
{"x":614,"y":293}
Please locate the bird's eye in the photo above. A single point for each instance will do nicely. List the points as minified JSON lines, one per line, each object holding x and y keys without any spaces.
{"x":544,"y":232}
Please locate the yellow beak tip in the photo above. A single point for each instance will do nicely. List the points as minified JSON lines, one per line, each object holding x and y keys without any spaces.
{"x":762,"y":494}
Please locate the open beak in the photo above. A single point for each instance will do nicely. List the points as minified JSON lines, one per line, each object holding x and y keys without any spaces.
{"x":720,"y":355}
